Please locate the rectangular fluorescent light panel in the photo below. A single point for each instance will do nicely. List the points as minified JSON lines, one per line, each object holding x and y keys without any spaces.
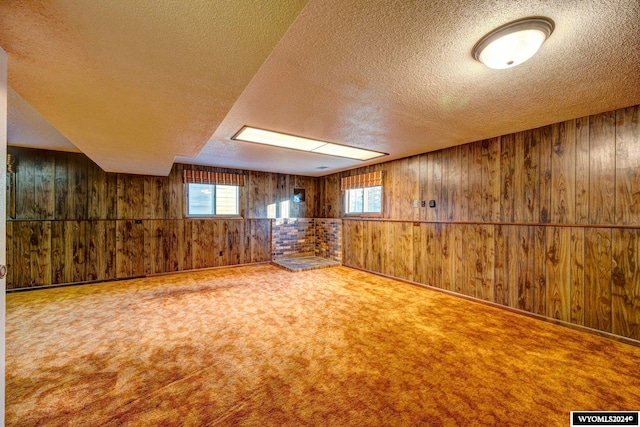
{"x":277,"y":139}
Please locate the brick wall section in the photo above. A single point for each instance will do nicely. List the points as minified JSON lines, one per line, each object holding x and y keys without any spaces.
{"x":298,"y":237}
{"x":329,"y":238}
{"x":293,"y":237}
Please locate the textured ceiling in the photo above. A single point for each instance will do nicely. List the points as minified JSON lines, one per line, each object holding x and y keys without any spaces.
{"x":392,"y":76}
{"x":26,"y":127}
{"x":134,"y":83}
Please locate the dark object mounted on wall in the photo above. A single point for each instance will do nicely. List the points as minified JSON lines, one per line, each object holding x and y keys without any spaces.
{"x":298,"y":195}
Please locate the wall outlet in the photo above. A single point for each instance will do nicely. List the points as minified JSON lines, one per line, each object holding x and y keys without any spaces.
{"x":415,"y":203}
{"x":423,"y":203}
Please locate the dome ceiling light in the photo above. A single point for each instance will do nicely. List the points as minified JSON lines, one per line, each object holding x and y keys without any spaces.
{"x":513,"y":43}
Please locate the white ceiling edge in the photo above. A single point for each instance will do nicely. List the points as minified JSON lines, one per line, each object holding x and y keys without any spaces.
{"x":28,"y":128}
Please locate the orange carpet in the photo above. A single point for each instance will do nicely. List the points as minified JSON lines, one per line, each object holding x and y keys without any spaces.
{"x":261,"y":346}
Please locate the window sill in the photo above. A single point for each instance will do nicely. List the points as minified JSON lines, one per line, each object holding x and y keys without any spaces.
{"x":214,"y":217}
{"x":363,"y":215}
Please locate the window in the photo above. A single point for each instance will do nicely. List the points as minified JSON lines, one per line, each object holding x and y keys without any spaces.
{"x":364,"y":200}
{"x":362,"y":193}
{"x":212,"y":199}
{"x":213,"y":193}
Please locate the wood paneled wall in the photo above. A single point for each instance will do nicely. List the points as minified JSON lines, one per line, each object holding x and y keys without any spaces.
{"x":51,"y":252}
{"x":69,"y":186}
{"x":545,"y":220}
{"x":74,"y":222}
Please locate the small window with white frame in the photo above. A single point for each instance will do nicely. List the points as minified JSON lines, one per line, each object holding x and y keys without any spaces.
{"x":363,"y":194}
{"x":212,"y":200}
{"x":364,"y":200}
{"x":212,"y":194}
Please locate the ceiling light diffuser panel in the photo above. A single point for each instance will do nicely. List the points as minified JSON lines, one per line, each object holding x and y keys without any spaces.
{"x":277,"y":139}
{"x":513,"y":43}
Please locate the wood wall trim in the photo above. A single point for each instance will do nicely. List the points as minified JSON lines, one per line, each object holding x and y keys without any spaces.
{"x":527,"y":224}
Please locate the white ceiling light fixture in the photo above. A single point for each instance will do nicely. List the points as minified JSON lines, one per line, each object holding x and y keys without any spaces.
{"x":277,"y":139}
{"x":513,"y":43}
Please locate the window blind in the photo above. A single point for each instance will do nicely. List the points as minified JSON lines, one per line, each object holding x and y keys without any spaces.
{"x":372,"y":179}
{"x":207,"y":177}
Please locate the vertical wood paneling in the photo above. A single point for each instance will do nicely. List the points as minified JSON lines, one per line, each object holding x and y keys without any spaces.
{"x":456,"y":247}
{"x":446,"y":257}
{"x":25,"y":186}
{"x":387,"y":245}
{"x":625,"y":294}
{"x":353,"y":239}
{"x":465,"y":151}
{"x":518,"y":192}
{"x":373,"y":248}
{"x":412,"y":180}
{"x":531,"y":176}
{"x":61,"y":187}
{"x":563,"y":172}
{"x":183,"y":245}
{"x":475,"y":182}
{"x":198,"y":245}
{"x":506,"y":265}
{"x":582,"y":170}
{"x":102,"y":196}
{"x":58,"y":268}
{"x":76,"y":252}
{"x":507,"y":177}
{"x":513,"y":255}
{"x":235,"y":237}
{"x":153,"y":246}
{"x":491,"y":180}
{"x":422,"y":257}
{"x":78,"y":187}
{"x":101,"y":240}
{"x":453,"y":185}
{"x":9,"y":256}
{"x":525,"y":267}
{"x":598,"y":278}
{"x":543,"y":136}
{"x":405,"y":178}
{"x":484,"y":247}
{"x":501,"y":263}
{"x":577,"y":276}
{"x":470,"y":258}
{"x":432,"y":246}
{"x":40,"y":248}
{"x":176,"y":249}
{"x":424,"y":190}
{"x":401,"y":236}
{"x":558,"y":255}
{"x":540,"y":287}
{"x":129,"y":248}
{"x":332,"y":199}
{"x":44,"y":180}
{"x":130,"y":197}
{"x":22,"y":254}
{"x":260,"y":240}
{"x":602,"y":168}
{"x":176,"y":192}
{"x":434,"y":160}
{"x":210,"y":243}
{"x":156,"y":197}
{"x":627,"y":166}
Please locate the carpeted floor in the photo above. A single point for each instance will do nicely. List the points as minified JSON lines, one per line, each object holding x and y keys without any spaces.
{"x":261,"y":346}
